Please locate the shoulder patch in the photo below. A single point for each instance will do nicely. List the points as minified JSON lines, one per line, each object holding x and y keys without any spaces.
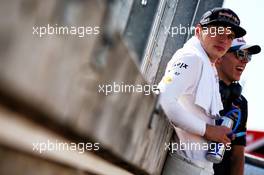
{"x":167,"y":79}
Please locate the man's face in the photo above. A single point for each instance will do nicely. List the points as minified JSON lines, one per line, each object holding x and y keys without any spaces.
{"x":216,"y":40}
{"x":230,"y":67}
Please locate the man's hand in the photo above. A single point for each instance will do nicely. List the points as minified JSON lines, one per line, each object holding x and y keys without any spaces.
{"x":217,"y":134}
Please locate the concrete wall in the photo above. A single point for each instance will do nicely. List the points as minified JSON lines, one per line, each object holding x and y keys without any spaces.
{"x":50,"y":85}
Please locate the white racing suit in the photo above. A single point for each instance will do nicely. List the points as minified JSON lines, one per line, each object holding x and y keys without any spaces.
{"x":190,"y":98}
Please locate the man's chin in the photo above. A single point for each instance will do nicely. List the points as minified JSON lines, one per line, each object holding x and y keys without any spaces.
{"x":236,"y":79}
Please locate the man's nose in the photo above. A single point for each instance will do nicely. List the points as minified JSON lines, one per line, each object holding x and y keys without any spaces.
{"x":245,"y":60}
{"x":224,"y":39}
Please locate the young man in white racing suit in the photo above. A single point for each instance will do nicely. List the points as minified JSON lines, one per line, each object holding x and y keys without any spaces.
{"x":190,"y":93}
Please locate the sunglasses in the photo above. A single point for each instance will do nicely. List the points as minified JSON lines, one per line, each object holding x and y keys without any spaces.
{"x":243,"y":55}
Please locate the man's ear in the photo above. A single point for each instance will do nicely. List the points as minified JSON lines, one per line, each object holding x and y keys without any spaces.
{"x":218,"y":61}
{"x":198,"y":30}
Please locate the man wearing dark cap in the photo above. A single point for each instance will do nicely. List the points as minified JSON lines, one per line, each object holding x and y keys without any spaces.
{"x":190,"y":93}
{"x":230,"y":67}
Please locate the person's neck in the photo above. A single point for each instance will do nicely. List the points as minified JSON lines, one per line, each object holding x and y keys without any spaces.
{"x":212,"y":60}
{"x":222,"y":76}
{"x":225,"y":80}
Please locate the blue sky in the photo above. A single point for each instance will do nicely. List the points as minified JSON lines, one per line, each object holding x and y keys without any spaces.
{"x":251,"y":14}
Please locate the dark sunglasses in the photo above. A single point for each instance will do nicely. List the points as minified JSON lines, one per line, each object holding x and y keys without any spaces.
{"x":243,"y":55}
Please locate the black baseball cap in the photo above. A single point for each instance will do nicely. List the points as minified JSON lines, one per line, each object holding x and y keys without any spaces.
{"x":223,"y":17}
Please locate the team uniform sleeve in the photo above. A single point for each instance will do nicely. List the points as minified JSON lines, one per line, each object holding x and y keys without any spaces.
{"x":242,"y":127}
{"x":180,"y":76}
